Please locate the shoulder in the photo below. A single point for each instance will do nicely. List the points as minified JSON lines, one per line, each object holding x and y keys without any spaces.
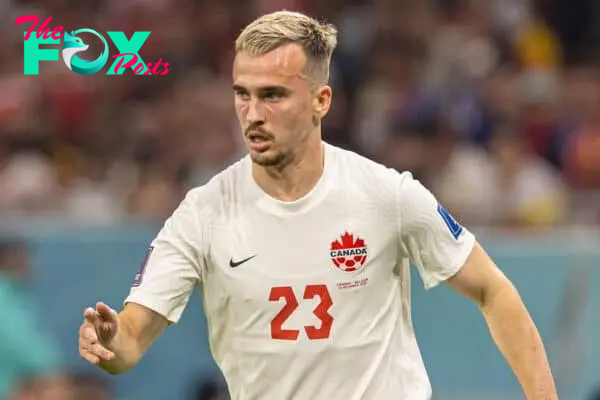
{"x":368,"y":175}
{"x":358,"y":168}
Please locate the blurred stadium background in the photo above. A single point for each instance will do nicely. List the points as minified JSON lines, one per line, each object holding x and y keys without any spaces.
{"x":494,"y":105}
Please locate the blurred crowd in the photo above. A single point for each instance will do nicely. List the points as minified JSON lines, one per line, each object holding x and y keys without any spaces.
{"x":494,"y":105}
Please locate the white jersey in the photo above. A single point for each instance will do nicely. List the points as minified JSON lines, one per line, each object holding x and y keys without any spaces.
{"x":310,"y":299}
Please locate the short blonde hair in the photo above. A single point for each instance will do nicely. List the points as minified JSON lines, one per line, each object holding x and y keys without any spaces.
{"x":271,"y":31}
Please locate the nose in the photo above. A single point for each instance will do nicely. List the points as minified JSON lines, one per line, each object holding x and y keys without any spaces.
{"x":255,"y":112}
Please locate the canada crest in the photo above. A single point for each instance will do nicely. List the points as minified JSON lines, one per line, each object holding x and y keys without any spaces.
{"x":348,"y":252}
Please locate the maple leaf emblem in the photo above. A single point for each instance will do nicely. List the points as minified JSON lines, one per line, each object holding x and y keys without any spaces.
{"x":348,"y":253}
{"x":347,"y":242}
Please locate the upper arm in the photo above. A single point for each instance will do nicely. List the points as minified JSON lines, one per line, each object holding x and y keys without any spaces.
{"x":437,"y":244}
{"x":142,"y":324}
{"x":479,"y":279}
{"x":174,"y":264}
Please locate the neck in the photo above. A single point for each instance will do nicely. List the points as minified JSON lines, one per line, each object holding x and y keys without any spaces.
{"x":297,"y":178}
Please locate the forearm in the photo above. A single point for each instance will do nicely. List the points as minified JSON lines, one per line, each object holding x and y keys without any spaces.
{"x":126,"y":348}
{"x":517,"y":338}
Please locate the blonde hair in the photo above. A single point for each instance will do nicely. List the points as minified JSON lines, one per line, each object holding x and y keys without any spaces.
{"x":317,"y":39}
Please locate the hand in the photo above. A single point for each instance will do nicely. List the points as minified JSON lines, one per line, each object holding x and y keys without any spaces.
{"x":97,"y":332}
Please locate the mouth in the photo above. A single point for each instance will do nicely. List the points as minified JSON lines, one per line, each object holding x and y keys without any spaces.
{"x":259,"y":141}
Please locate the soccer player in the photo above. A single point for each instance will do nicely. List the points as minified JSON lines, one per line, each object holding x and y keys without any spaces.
{"x":302,"y":252}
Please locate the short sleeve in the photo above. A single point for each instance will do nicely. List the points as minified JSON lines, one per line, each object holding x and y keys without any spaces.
{"x":173,"y":264}
{"x":435,"y":242}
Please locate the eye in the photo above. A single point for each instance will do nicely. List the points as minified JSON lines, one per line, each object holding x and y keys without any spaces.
{"x":273,"y":96}
{"x":242,"y":95}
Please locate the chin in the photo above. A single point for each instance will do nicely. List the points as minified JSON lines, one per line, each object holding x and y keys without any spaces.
{"x":268,"y":158}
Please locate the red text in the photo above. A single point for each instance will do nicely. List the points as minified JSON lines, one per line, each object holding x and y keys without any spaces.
{"x":55,"y":34}
{"x":140,"y":67}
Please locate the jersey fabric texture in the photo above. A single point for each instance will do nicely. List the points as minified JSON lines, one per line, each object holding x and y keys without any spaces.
{"x":309,"y":299}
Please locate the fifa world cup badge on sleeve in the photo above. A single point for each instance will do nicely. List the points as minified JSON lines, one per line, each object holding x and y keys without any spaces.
{"x":453,"y":226}
{"x":137,"y":280}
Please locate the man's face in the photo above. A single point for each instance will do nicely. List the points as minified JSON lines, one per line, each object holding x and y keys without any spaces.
{"x":276,"y":104}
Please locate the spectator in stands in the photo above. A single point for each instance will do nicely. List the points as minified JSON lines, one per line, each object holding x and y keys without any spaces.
{"x":528,"y":192}
{"x":28,"y":355}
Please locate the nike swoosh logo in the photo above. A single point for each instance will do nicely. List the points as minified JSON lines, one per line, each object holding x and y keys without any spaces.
{"x":234,"y":264}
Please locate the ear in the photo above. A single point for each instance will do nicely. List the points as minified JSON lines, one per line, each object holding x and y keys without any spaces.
{"x":322,"y":101}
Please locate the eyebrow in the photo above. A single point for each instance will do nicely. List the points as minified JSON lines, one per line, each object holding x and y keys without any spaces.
{"x":263,"y":89}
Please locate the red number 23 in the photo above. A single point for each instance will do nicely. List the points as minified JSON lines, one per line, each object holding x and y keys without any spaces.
{"x":291,"y":303}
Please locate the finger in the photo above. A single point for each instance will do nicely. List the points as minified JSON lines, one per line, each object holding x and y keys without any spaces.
{"x":90,"y":315}
{"x":88,"y":333}
{"x":85,"y":354}
{"x":101,"y":352}
{"x":96,"y":350}
{"x":105,"y":312}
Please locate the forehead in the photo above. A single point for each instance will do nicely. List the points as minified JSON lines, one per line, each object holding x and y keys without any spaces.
{"x":284,"y":65}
